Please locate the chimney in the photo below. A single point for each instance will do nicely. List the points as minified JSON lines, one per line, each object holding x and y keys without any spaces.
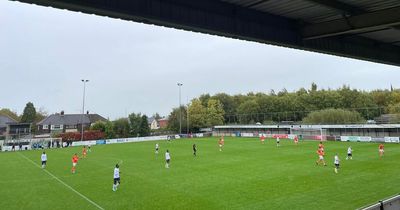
{"x":62,"y":113}
{"x":87,"y":112}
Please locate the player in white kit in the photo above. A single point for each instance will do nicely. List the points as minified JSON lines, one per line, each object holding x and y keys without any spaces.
{"x":44,"y":159}
{"x":167,"y":159}
{"x":157,"y":147}
{"x":349,"y":153}
{"x":336,"y":162}
{"x":277,"y":141}
{"x":117,"y":179}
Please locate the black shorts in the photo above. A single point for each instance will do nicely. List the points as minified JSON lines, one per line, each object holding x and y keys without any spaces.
{"x":168,"y":160}
{"x":156,"y":149}
{"x":337,"y":165}
{"x":44,"y":162}
{"x":349,"y":154}
{"x":117,"y":180}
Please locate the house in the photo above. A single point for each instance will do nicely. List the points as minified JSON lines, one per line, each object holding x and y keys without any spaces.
{"x":62,"y":123}
{"x":163,"y":123}
{"x":4,"y":121}
{"x":155,"y":124}
{"x":11,"y":129}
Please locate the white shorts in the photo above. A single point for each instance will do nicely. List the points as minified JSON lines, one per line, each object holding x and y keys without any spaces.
{"x":74,"y":164}
{"x":381,"y":150}
{"x":321,"y":157}
{"x":220,"y":145}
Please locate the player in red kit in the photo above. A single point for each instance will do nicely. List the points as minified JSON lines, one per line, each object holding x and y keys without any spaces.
{"x":75,"y":159}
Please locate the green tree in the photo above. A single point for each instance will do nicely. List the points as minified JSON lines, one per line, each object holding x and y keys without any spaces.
{"x":215,"y":113}
{"x":9,"y":113}
{"x":98,"y":126}
{"x":173,"y":119}
{"x":121,"y":128}
{"x":394,"y":108}
{"x":135,"y":122}
{"x":109,"y":130}
{"x":197,"y":115}
{"x":204,"y":99}
{"x":333,"y":116}
{"x":29,"y":114}
{"x":156,"y":116}
{"x":228,"y":104}
{"x":144,"y":127}
{"x":248,"y":112}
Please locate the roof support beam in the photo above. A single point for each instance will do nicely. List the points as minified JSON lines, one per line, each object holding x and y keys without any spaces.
{"x":357,"y":24}
{"x":337,"y":5}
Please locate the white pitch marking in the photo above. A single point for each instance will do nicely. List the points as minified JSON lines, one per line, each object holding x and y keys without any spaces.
{"x":66,"y":185}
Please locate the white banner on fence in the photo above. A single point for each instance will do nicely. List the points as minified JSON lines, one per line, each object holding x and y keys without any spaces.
{"x":392,"y":139}
{"x":83,"y":143}
{"x":356,"y":138}
{"x":247,"y":134}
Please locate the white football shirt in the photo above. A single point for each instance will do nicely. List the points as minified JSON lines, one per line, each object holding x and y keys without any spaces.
{"x":349,"y":150}
{"x":336,"y":159}
{"x":44,"y":157}
{"x":116,"y":173}
{"x":167,"y":157}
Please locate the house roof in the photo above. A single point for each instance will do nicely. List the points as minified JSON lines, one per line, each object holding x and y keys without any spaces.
{"x":4,"y":120}
{"x":71,"y":119}
{"x":150,"y":120}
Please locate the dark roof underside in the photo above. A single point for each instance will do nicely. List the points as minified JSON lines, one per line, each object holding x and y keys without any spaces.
{"x":361,"y":29}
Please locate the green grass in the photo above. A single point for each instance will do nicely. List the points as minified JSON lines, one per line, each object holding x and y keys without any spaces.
{"x":246,"y":175}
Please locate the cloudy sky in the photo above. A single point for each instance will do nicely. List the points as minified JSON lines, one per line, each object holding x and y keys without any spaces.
{"x":133,"y":67}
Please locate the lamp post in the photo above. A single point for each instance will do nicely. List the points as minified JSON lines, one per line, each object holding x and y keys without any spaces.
{"x":83,"y":105}
{"x":180,"y":110}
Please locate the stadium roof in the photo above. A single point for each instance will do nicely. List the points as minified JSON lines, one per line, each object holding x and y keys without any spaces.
{"x":361,"y":29}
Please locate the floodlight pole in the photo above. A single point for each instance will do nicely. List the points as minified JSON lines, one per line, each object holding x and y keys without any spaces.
{"x":187,"y":116}
{"x":83,"y":105}
{"x":180,"y":110}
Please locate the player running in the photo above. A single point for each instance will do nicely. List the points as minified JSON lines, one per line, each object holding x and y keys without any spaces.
{"x":221,"y":143}
{"x":167,"y":159}
{"x":321,"y":155}
{"x":44,"y":159}
{"x":84,"y":152}
{"x":194,"y":150}
{"x":277,"y":141}
{"x":157,"y":147}
{"x":75,"y":159}
{"x":381,"y":150}
{"x":321,"y":146}
{"x":262,"y":138}
{"x":117,"y":179}
{"x":349,"y":153}
{"x":296,"y":140}
{"x":336,"y":162}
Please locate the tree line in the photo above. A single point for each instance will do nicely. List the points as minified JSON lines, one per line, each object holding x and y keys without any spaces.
{"x":313,"y":105}
{"x":134,"y":125}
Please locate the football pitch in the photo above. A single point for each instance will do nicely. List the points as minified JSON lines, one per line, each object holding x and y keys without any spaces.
{"x":245,"y":175}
